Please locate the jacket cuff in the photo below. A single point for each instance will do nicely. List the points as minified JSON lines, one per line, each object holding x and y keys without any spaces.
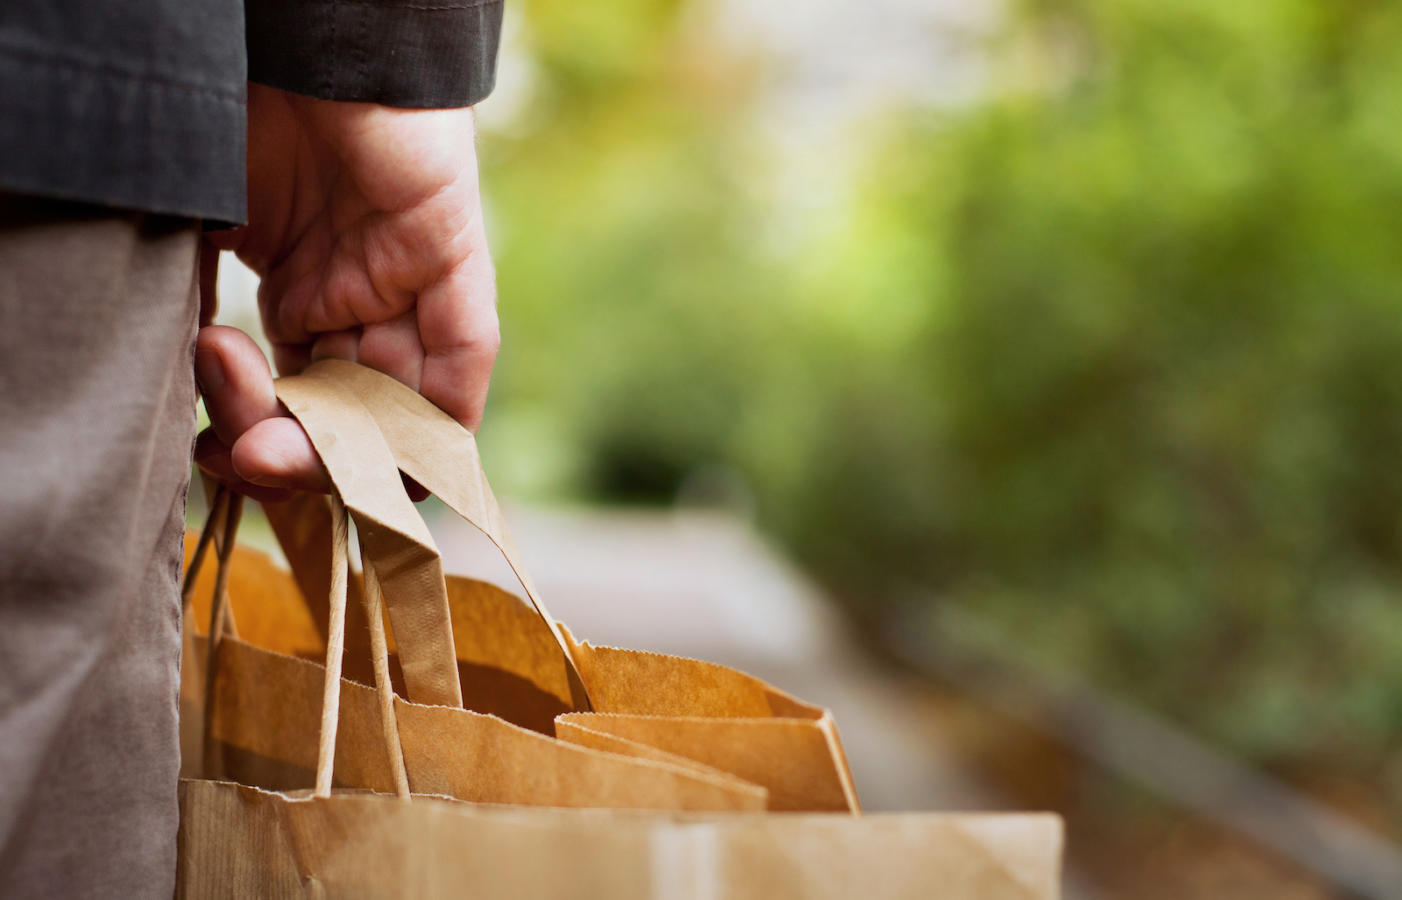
{"x":408,"y":53}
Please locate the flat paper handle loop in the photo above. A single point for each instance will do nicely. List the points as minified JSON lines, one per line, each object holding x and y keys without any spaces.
{"x":436,"y":451}
{"x":410,"y":570}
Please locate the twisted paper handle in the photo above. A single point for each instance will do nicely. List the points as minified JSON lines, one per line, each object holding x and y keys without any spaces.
{"x":227,"y":508}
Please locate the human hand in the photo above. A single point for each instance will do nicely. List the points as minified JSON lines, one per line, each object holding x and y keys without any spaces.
{"x":365,"y":224}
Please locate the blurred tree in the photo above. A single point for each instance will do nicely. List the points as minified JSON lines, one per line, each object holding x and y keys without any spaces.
{"x":1160,"y":401}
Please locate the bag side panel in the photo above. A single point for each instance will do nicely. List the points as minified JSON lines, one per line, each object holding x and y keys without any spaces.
{"x":231,"y":843}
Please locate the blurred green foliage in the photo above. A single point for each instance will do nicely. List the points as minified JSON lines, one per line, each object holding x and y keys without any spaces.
{"x":1112,"y":356}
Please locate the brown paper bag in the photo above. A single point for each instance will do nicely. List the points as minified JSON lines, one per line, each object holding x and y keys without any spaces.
{"x":511,"y":659}
{"x":634,"y":729}
{"x":262,"y":721}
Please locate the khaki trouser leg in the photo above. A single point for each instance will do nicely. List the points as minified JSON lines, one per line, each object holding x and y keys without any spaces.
{"x":98,"y":313}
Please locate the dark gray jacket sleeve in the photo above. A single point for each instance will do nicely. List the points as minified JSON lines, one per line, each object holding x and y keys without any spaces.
{"x":408,"y":53}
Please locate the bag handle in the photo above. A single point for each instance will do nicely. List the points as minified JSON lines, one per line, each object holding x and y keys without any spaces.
{"x":335,"y":654}
{"x":366,"y":479}
{"x":335,"y":649}
{"x":441,"y":455}
{"x":379,"y":657}
{"x":226,"y":507}
{"x":225,"y":512}
{"x":222,"y":523}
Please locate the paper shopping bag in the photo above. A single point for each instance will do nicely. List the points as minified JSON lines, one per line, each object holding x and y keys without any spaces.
{"x":261,"y":714}
{"x":569,"y":725}
{"x":510,"y":660}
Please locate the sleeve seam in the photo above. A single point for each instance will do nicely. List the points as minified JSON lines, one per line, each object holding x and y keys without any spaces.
{"x":430,"y":7}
